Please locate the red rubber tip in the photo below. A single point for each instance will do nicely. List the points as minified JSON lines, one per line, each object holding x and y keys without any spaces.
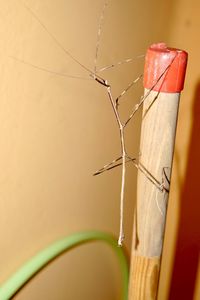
{"x":165,"y":68}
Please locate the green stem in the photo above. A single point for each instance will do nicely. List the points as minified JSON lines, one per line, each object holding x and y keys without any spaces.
{"x":40,"y":260}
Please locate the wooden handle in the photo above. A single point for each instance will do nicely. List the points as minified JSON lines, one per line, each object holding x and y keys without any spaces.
{"x":156,"y":152}
{"x":160,"y":110}
{"x":144,"y":276}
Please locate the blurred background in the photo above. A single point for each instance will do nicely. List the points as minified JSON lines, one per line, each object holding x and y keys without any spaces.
{"x":55,"y":132}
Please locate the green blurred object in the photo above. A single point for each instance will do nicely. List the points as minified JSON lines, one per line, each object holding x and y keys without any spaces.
{"x":40,"y":260}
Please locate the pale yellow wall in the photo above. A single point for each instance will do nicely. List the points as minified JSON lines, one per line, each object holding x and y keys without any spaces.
{"x":54,"y":132}
{"x":180,"y":273}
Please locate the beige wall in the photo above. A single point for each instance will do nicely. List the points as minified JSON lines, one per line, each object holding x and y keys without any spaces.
{"x":180,"y":271}
{"x":54,"y":132}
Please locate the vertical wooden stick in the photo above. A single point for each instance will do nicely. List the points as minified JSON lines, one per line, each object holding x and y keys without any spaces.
{"x":163,"y":80}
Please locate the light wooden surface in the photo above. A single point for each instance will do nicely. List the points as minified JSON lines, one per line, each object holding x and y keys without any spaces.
{"x":144,"y":277}
{"x":156,"y":152}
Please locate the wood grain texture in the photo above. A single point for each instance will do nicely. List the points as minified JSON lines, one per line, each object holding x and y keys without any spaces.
{"x":156,"y":152}
{"x":145,"y":273}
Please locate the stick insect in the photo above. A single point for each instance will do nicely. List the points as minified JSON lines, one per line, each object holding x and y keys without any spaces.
{"x":95,"y":74}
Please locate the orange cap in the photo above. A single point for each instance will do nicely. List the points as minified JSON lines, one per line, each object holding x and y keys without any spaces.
{"x":165,"y":68}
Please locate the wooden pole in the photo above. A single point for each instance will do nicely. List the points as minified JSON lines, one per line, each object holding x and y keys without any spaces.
{"x":163,"y":80}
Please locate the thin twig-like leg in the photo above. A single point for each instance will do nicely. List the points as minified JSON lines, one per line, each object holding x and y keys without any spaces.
{"x":99,"y":36}
{"x":108,"y":166}
{"x":58,"y":43}
{"x":143,"y":98}
{"x":112,"y":165}
{"x":125,"y":61}
{"x":48,"y":70}
{"x":127,"y":88}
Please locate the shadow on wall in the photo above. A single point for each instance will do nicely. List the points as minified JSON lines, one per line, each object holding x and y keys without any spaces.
{"x":188,"y":238}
